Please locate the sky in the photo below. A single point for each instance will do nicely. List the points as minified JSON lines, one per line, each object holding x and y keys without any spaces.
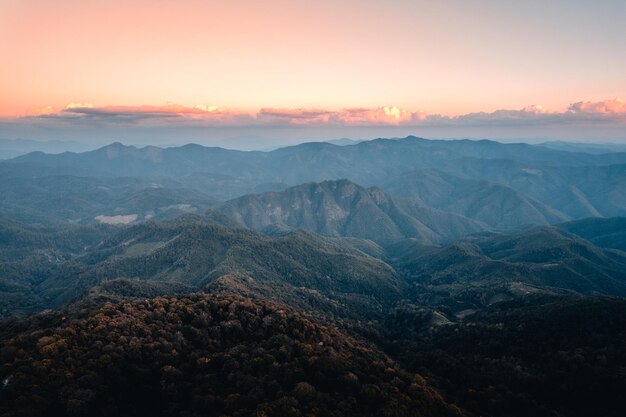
{"x":254,"y":74}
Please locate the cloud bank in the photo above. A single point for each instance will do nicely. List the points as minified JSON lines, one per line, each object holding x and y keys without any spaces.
{"x":611,"y":111}
{"x":175,"y":123}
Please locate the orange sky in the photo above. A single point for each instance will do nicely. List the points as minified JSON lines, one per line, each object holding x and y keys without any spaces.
{"x":449,"y":58}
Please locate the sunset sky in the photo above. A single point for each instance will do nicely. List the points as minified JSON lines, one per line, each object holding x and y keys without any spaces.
{"x":206,"y":71}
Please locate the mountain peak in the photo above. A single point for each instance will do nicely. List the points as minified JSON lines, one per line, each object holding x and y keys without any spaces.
{"x":116,"y":145}
{"x":343,"y":208}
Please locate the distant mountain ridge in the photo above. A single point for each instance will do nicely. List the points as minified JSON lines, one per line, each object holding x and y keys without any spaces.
{"x":11,"y":148}
{"x":342,"y":208}
{"x":505,"y":186}
{"x":305,"y":162}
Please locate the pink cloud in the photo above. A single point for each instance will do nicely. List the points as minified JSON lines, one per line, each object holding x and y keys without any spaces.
{"x":387,"y":115}
{"x":172,"y":115}
{"x":614,"y":106}
{"x":380,"y":115}
{"x":294,"y":116}
{"x":534,"y":109}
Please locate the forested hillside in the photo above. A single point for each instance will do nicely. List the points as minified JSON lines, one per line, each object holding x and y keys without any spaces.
{"x":201,"y":355}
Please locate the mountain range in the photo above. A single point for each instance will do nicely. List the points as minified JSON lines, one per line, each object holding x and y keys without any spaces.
{"x":501,"y":186}
{"x":394,"y":277}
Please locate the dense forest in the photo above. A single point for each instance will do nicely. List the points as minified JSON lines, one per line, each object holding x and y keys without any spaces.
{"x":201,"y":355}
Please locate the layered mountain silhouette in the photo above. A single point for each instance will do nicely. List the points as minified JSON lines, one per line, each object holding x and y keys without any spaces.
{"x":494,"y":204}
{"x":502,"y":185}
{"x":574,"y":190}
{"x":315,"y":161}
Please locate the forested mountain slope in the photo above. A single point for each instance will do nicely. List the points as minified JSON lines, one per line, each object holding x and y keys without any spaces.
{"x":201,"y":355}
